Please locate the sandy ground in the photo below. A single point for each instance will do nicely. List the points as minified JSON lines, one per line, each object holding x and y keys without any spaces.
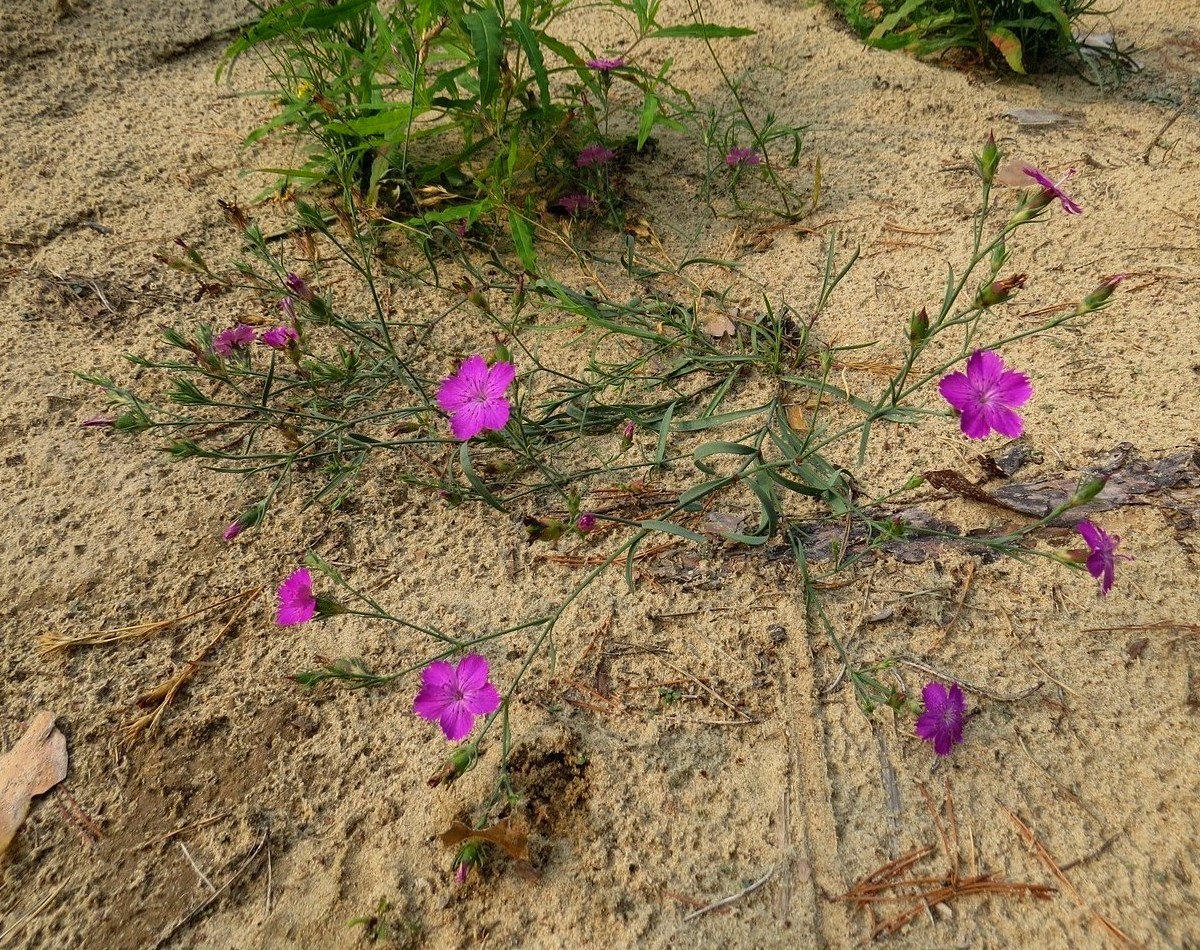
{"x":315,"y":806}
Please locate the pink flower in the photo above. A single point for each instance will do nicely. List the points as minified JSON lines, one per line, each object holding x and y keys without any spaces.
{"x":297,"y":604}
{"x":279,"y":338}
{"x":1102,"y":554}
{"x":573,"y":204}
{"x":232,"y":339}
{"x":594,"y":155}
{"x":474,"y":397}
{"x":235,"y":528}
{"x":942,"y":721}
{"x":288,"y":306}
{"x":586,"y":523}
{"x":1052,"y":190}
{"x":606,"y":65}
{"x":454,"y":695}
{"x":742,"y":156}
{"x":987,"y":395}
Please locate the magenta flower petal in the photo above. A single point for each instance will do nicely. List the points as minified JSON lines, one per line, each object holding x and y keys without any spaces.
{"x":974,"y":423}
{"x":456,"y":721}
{"x":453,"y":696}
{"x":594,"y":155}
{"x":235,"y":338}
{"x":1102,"y":556}
{"x":278,"y":338}
{"x":1002,"y":420}
{"x":606,"y":65}
{"x":1053,"y":189}
{"x":297,"y":604}
{"x":742,"y":156}
{"x":474,"y":397}
{"x":472,"y":671}
{"x":573,"y":204}
{"x":957,"y":389}
{"x":437,"y":690}
{"x":942,"y":721}
{"x":987,"y":396}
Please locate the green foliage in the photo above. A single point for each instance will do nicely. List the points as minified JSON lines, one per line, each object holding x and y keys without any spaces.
{"x":1022,"y":36}
{"x":449,"y":112}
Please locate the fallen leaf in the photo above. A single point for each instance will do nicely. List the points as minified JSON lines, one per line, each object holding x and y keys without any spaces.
{"x":34,"y":765}
{"x":714,"y":322}
{"x":503,"y":834}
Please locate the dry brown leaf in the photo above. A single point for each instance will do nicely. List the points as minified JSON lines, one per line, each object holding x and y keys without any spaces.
{"x":716,"y":323}
{"x":503,"y":834}
{"x":35,"y":764}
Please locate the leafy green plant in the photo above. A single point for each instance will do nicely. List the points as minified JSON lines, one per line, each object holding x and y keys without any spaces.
{"x":451,"y":112}
{"x":1020,"y":35}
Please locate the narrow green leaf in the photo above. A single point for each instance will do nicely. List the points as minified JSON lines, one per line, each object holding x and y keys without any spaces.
{"x":667,"y":527}
{"x":709,"y":449}
{"x":889,"y":22}
{"x":464,"y":458}
{"x":649,"y":114}
{"x":533,"y":54}
{"x":484,"y":27}
{"x":697,"y":31}
{"x":392,"y":117}
{"x":522,"y":235}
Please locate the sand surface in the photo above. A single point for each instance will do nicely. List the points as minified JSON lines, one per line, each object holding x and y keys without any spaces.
{"x":314,"y":807}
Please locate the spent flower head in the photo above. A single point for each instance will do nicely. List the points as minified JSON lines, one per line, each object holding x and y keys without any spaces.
{"x":453,"y":695}
{"x":299,"y":287}
{"x":737,"y":156}
{"x":1102,"y":554}
{"x":942,"y":721}
{"x":474,"y":397}
{"x":297,"y":603}
{"x":987,"y":395}
{"x":594,"y":155}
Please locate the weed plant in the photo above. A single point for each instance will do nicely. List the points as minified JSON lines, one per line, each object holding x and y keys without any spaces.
{"x":739,"y":421}
{"x":1025,"y":36}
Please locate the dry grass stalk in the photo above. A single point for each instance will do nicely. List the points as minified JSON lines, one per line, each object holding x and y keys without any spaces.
{"x":49,"y":643}
{"x":162,"y":695}
{"x":889,"y":885}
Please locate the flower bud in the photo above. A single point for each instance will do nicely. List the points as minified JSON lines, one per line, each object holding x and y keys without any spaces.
{"x":918,"y":327}
{"x":585,"y":523}
{"x":1087,"y":491}
{"x":999,"y":291}
{"x":998,"y":257}
{"x":461,"y":759}
{"x":988,"y":160}
{"x":1099,"y":297}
